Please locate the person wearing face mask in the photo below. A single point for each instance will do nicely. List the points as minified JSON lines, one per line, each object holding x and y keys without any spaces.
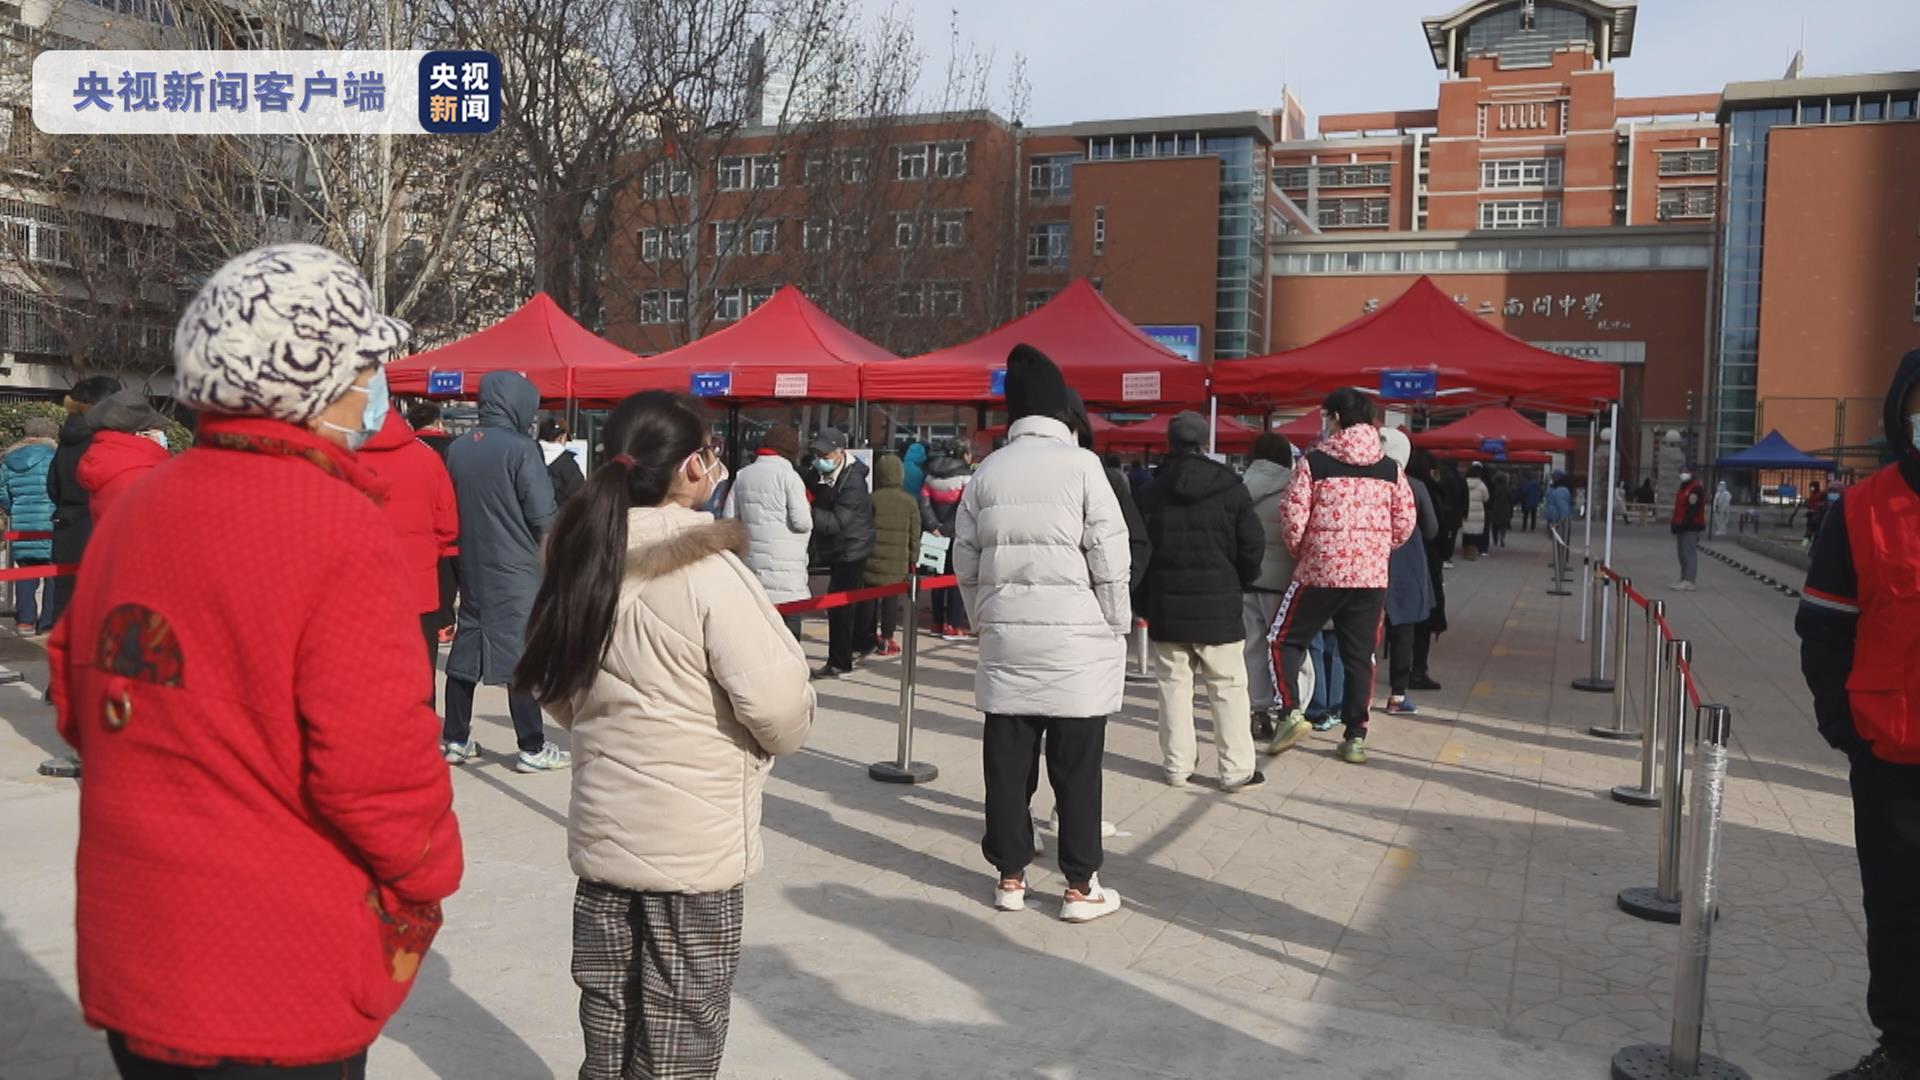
{"x":420,"y":505}
{"x":122,"y":450}
{"x":843,"y":525}
{"x":267,"y":830}
{"x":1859,"y":629}
{"x":505,"y":496}
{"x":1722,"y":508}
{"x":1689,"y":521}
{"x":652,"y":642}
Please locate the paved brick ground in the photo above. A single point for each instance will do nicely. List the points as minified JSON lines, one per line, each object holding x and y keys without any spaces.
{"x":1446,"y":911}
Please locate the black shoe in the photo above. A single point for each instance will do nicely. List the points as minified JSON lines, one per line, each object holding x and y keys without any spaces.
{"x":831,"y":672}
{"x":1422,"y":682}
{"x":1255,"y":780}
{"x":1880,"y":1065}
{"x":1264,"y":727}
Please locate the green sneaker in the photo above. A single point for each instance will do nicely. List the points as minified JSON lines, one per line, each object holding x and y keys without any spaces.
{"x":1353,"y":751}
{"x":1292,"y":730}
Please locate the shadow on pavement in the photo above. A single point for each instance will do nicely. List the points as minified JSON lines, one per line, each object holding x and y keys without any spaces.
{"x":454,"y":1035}
{"x":41,"y":1030}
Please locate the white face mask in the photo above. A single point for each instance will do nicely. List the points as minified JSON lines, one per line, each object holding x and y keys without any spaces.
{"x":158,"y":436}
{"x":1686,"y":477}
{"x":1913,"y":425}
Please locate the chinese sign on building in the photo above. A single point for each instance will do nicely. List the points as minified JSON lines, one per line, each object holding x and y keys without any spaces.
{"x":1588,"y":306}
{"x":187,"y":92}
{"x":1182,"y":341}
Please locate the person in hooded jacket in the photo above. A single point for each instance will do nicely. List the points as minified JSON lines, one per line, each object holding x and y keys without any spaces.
{"x":655,"y":646}
{"x":1267,"y":477}
{"x":128,"y":441}
{"x":770,"y":499}
{"x":1859,"y":629}
{"x":24,"y":499}
{"x":563,"y":465}
{"x":266,"y":830}
{"x":72,"y":521}
{"x":424,"y":418}
{"x":1207,"y":549}
{"x":1346,"y":510}
{"x":1139,"y":545}
{"x":505,"y":496}
{"x":947,"y":479}
{"x":843,"y":524}
{"x":1040,"y":548}
{"x":421,"y":508}
{"x":896,"y":547}
{"x":1722,"y":508}
{"x":1424,"y":468}
{"x":1410,"y":590}
{"x":913,"y":471}
{"x":1689,"y":521}
{"x":1473,"y":527}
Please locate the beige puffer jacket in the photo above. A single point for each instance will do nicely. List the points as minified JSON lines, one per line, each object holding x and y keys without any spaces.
{"x":701,"y":687}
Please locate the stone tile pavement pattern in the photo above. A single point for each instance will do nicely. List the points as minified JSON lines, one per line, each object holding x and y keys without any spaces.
{"x":1446,"y":911}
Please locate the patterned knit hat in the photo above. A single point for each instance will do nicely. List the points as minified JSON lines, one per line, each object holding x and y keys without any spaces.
{"x":281,"y":331}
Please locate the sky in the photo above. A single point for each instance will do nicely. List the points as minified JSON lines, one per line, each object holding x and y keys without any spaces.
{"x":1103,"y":59}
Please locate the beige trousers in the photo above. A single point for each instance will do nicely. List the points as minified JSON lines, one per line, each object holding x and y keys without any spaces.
{"x":1223,"y":671}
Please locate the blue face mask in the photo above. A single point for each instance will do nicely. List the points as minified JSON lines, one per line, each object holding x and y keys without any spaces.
{"x":373,"y":416}
{"x":825,"y":465}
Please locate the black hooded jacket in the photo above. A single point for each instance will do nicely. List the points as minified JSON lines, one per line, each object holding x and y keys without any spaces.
{"x":72,"y":515}
{"x":1829,"y":615}
{"x":1207,"y":548}
{"x":843,"y":514}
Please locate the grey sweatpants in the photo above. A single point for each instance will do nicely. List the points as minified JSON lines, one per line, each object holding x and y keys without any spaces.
{"x":1689,"y":542}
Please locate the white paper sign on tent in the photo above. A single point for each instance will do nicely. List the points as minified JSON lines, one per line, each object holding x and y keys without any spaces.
{"x":790,"y":385}
{"x":1140,"y":386}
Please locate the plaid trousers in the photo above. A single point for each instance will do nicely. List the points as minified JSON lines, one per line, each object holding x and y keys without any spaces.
{"x":655,"y":972}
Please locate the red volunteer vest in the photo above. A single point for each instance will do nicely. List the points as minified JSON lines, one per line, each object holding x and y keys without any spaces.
{"x":1883,"y":529}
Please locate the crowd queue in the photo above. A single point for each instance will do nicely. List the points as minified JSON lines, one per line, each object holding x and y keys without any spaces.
{"x":304,"y":735}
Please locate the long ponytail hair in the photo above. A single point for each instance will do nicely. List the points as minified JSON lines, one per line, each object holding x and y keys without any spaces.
{"x":648,"y":438}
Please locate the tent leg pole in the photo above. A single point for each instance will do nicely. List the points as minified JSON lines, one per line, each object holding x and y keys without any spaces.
{"x":1213,"y":424}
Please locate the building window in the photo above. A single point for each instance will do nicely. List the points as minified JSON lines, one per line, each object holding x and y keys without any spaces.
{"x":1336,"y":176}
{"x":950,"y":160}
{"x":1689,"y":162}
{"x":733,"y":174}
{"x":1099,"y":230}
{"x":816,"y":235}
{"x":950,"y":228}
{"x":911,"y":162}
{"x":1841,"y":112}
{"x":678,"y":239}
{"x":766,"y":171}
{"x":910,"y":300}
{"x":1520,"y":173}
{"x":1520,"y":214}
{"x":853,"y":235}
{"x":676,"y":305}
{"x":1351,"y":213}
{"x":1902,"y":109}
{"x":1051,"y":177}
{"x":1685,"y":202}
{"x":853,"y":166}
{"x":906,"y":231}
{"x":1291,"y":177}
{"x":1872,"y":108}
{"x":650,"y":246}
{"x":813,"y":169}
{"x":663,"y":179}
{"x":1047,"y":246}
{"x":726,"y":238}
{"x":758,"y":295}
{"x":652,"y":307}
{"x":948,"y":299}
{"x":1036,"y":299}
{"x":36,"y":233}
{"x":726,"y":305}
{"x":765,"y":238}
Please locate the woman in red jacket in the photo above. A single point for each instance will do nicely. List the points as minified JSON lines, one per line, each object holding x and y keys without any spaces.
{"x":420,"y":505}
{"x":267,"y":829}
{"x":123,"y":448}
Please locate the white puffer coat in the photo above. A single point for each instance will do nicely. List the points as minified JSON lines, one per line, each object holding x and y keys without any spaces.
{"x":1040,"y":548}
{"x":769,"y":498}
{"x":701,"y":687}
{"x":1267,"y":482}
{"x":1477,"y":496}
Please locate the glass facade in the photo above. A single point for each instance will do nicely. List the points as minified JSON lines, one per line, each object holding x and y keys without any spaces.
{"x":1240,"y":286}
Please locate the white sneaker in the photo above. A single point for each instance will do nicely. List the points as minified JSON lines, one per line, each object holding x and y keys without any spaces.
{"x":549,"y":759}
{"x":460,"y":753}
{"x":1005,"y":899}
{"x":1094,"y":904}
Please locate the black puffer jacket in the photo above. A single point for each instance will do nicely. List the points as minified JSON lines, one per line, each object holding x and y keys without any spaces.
{"x":843,"y":515}
{"x":1207,"y":547}
{"x":72,"y":516}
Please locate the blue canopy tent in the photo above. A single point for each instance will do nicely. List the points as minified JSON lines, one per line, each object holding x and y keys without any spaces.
{"x":1775,"y":454}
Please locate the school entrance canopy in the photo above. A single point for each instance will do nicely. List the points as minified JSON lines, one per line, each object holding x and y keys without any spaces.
{"x":1775,"y":453}
{"x":1109,"y":360}
{"x":1495,"y":430}
{"x":786,"y":350}
{"x":1421,"y":348}
{"x":539,"y":341}
{"x":1231,"y":437}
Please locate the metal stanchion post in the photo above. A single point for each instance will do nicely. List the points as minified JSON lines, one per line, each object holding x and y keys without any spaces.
{"x":1596,"y":681}
{"x":1560,"y":553}
{"x":1683,"y":1057}
{"x":1661,"y":903}
{"x":1646,"y":794}
{"x":1142,"y":669}
{"x":905,"y":770}
{"x":1619,"y":730}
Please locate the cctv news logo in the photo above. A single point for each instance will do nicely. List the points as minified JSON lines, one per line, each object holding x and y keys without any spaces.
{"x":271,"y":92}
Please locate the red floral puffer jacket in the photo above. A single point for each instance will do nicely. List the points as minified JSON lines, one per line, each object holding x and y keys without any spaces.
{"x":1346,"y":510}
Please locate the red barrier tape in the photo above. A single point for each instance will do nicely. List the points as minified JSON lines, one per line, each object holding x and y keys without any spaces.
{"x":34,"y":573}
{"x":855,"y":596}
{"x":1633,"y":594}
{"x":16,"y":536}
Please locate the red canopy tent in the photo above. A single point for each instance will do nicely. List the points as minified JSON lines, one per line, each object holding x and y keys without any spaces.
{"x":540,"y":341}
{"x":786,"y":350}
{"x":1518,"y":457}
{"x":1472,"y":362}
{"x":1103,"y":429}
{"x":1302,"y":430}
{"x":1495,"y":424}
{"x":1232,"y":435}
{"x":1105,"y":357}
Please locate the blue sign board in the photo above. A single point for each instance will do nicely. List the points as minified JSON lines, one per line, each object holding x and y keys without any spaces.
{"x":445,"y":383}
{"x":999,"y":387}
{"x":1182,"y":341}
{"x":712,"y":383}
{"x":1409,"y":385}
{"x":459,"y":92}
{"x":1497,"y":448}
